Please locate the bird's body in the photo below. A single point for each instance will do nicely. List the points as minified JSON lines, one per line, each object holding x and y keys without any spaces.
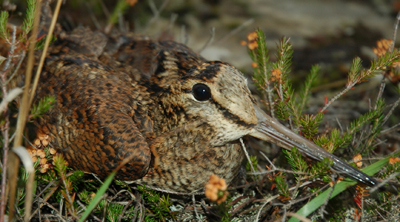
{"x":175,"y":116}
{"x":138,"y":101}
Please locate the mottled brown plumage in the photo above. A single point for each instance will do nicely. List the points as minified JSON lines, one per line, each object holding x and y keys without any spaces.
{"x":131,"y":96}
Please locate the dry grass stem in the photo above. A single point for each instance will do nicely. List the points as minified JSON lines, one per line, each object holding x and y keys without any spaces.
{"x":7,"y":96}
{"x":384,"y":182}
{"x":234,"y":31}
{"x":264,"y":204}
{"x":302,"y":218}
{"x":46,"y":47}
{"x":209,"y":41}
{"x":248,"y":158}
{"x":156,"y":13}
{"x":28,"y":164}
{"x":396,"y":26}
{"x":389,"y":114}
{"x":23,"y":112}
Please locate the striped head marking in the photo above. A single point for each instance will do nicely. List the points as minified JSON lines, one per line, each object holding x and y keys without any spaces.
{"x":215,"y":93}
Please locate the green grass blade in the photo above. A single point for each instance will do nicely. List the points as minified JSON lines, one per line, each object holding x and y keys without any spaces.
{"x":340,"y":187}
{"x":98,"y":196}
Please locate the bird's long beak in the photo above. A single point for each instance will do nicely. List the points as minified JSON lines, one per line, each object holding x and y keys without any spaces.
{"x":270,"y":130}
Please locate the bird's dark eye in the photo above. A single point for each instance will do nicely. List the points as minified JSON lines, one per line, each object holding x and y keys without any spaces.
{"x":201,"y":92}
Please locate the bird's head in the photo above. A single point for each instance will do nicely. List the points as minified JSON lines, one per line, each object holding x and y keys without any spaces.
{"x":217,"y":94}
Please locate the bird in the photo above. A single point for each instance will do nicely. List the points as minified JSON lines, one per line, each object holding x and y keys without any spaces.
{"x":171,"y":116}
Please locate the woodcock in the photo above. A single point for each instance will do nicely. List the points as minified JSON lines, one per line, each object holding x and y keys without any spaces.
{"x":178,"y":115}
